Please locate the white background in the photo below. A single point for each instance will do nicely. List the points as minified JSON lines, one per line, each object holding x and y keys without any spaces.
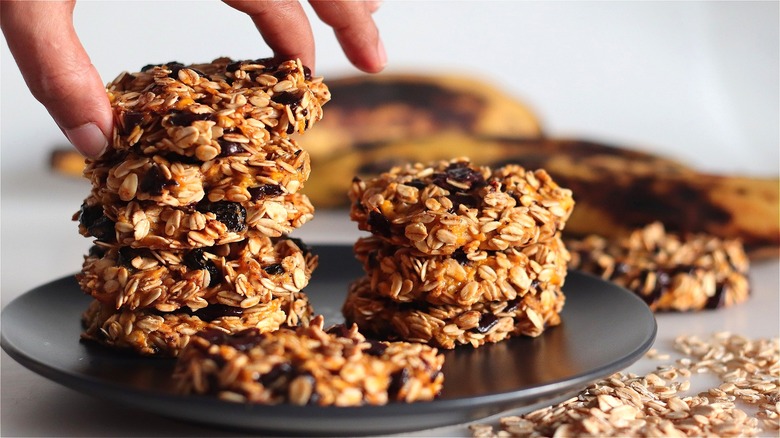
{"x":696,"y":81}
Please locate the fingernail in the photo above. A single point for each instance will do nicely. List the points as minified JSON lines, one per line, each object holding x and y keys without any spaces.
{"x":374,"y":5}
{"x":88,"y":139}
{"x":380,"y":51}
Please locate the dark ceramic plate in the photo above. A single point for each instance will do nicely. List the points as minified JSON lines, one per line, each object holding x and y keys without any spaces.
{"x":604,"y":330}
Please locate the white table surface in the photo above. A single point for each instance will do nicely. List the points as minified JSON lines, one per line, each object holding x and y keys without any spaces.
{"x":40,"y":243}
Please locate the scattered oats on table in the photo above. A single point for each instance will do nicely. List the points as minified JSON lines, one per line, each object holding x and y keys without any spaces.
{"x":656,"y":404}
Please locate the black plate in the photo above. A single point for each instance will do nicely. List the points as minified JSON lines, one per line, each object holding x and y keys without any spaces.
{"x":605,"y":329}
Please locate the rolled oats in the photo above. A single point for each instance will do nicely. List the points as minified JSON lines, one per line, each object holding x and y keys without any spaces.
{"x":644,"y":406}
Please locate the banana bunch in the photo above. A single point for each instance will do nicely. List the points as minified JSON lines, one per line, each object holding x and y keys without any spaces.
{"x":375,"y":122}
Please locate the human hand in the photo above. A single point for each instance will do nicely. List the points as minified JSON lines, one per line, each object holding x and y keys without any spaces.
{"x":61,"y":76}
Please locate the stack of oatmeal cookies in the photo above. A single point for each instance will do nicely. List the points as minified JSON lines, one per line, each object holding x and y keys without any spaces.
{"x":459,"y":254}
{"x":191,"y":204}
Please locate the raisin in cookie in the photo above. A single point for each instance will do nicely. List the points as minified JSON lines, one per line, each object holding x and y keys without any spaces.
{"x":450,"y":205}
{"x":308,"y":366}
{"x":669,"y":271}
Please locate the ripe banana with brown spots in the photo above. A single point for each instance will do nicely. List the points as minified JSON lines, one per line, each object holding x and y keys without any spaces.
{"x":392,"y":107}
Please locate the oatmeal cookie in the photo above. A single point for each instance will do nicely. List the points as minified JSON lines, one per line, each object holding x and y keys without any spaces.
{"x":447,"y":326}
{"x":439,"y":208}
{"x":241,"y":274}
{"x":461,"y":279}
{"x":162,"y":179}
{"x":149,"y":225}
{"x":308,"y":366}
{"x":671,"y":272}
{"x":215,"y":109}
{"x":152,"y":333}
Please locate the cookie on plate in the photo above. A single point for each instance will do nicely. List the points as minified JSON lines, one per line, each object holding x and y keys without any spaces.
{"x":149,"y":332}
{"x":670,"y":271}
{"x":308,"y":366}
{"x":461,"y":279}
{"x":240,"y":274}
{"x":448,"y":326}
{"x":455,"y":205}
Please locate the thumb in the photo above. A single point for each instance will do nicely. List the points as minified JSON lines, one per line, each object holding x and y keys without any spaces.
{"x":58,"y":71}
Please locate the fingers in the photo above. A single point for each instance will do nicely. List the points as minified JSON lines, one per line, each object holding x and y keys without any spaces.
{"x":284,"y":26}
{"x":58,"y":71}
{"x":61,"y":76}
{"x":355,"y":30}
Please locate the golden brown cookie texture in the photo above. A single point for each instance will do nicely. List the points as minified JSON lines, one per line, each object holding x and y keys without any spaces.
{"x":192,"y":203}
{"x":308,"y":366}
{"x":459,"y":254}
{"x":441,"y":207}
{"x":149,"y":332}
{"x":669,"y":271}
{"x":461,"y":279}
{"x":212,"y":109}
{"x":240,"y":274}
{"x":449,"y":326}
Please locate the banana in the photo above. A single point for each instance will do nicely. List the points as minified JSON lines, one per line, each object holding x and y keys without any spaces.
{"x":330,"y":192}
{"x":616,"y":189}
{"x":392,"y":107}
